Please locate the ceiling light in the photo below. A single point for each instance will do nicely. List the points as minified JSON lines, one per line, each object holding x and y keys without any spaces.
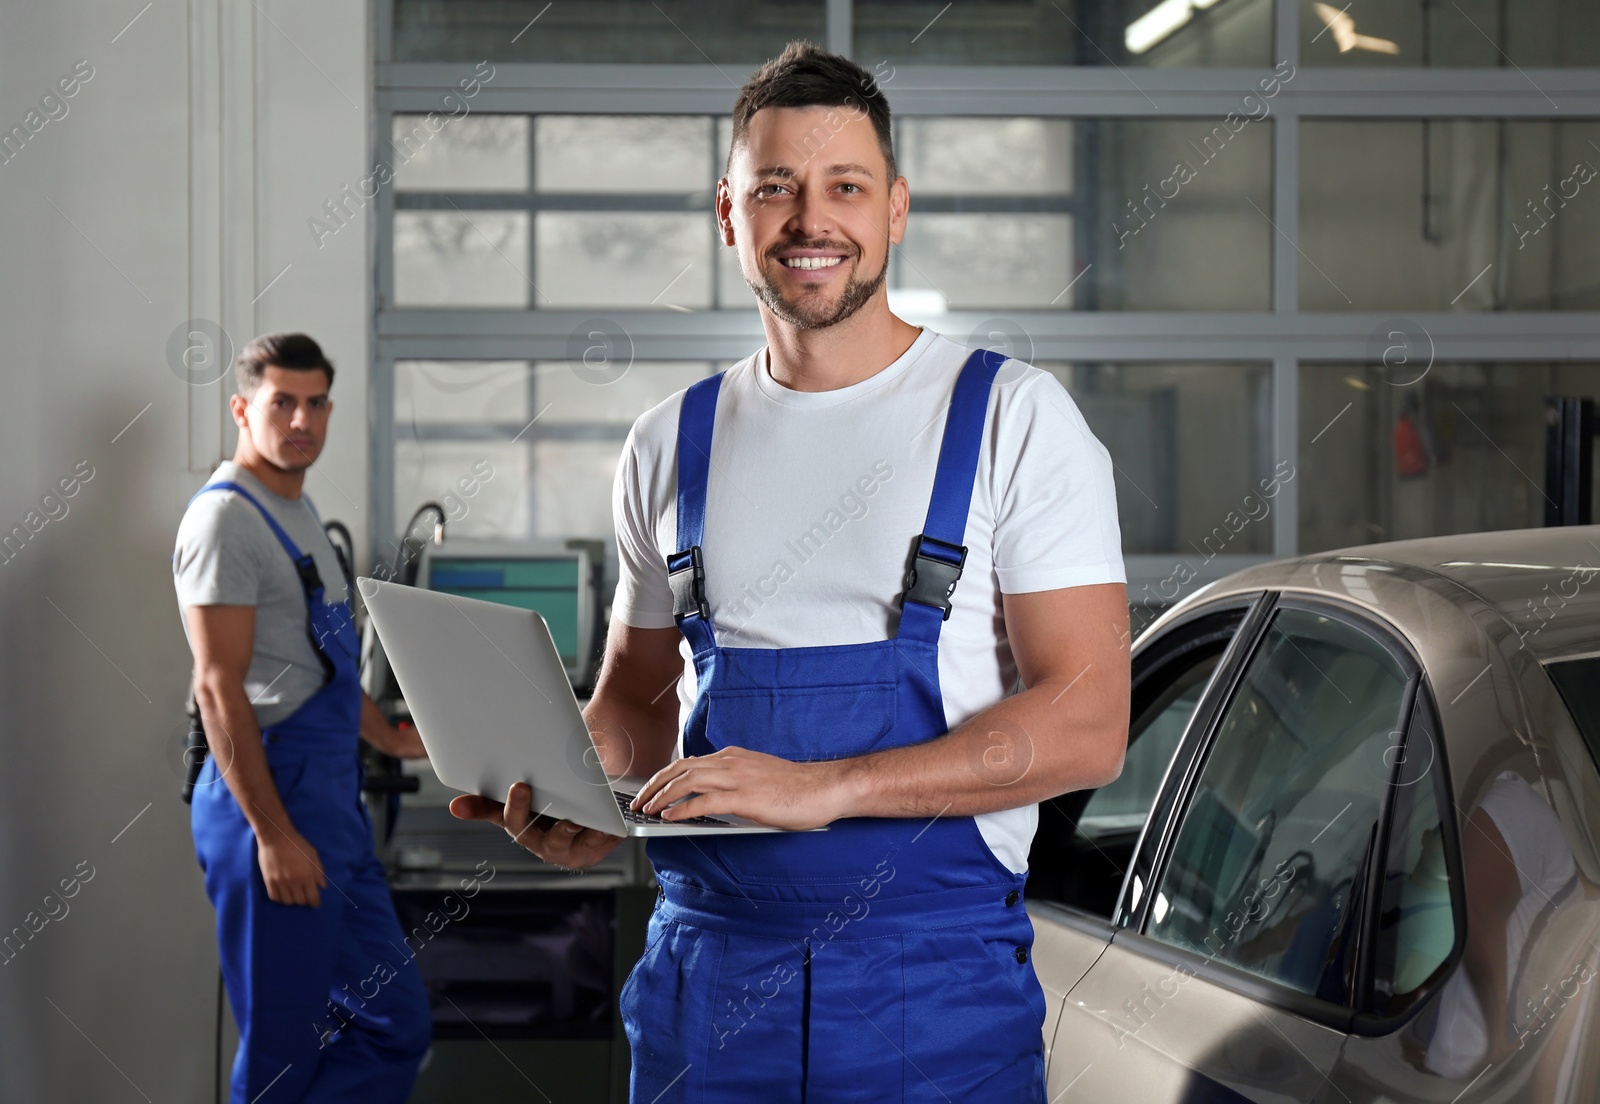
{"x":1343,"y":26}
{"x":1156,"y":24}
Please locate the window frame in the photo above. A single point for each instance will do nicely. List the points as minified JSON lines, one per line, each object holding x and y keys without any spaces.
{"x":1283,"y":334}
{"x":1155,"y":847}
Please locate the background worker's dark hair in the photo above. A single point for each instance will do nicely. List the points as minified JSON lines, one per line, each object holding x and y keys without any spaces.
{"x":286,"y":350}
{"x":805,"y":75}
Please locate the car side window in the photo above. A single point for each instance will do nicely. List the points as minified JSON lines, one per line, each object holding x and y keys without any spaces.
{"x":1270,"y":860}
{"x":1086,"y":840}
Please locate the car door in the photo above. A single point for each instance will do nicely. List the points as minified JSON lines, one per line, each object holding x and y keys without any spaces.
{"x":1085,"y":839}
{"x":1231,"y":972}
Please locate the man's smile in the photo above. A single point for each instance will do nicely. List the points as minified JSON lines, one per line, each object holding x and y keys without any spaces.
{"x":811,"y":266}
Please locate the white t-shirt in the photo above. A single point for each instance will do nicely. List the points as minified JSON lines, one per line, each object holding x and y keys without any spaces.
{"x":814,"y":498}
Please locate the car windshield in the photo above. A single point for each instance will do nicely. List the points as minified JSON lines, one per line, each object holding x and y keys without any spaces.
{"x":1579,"y":683}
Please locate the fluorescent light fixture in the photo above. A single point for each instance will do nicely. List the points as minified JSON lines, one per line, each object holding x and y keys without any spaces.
{"x":1156,"y":24}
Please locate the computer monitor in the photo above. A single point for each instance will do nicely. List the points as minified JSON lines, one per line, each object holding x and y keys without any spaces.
{"x":547,"y":576}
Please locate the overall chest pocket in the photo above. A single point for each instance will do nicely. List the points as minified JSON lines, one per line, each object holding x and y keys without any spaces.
{"x":804,"y":723}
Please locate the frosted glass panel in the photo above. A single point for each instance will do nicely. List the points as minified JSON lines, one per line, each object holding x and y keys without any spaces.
{"x":573,"y":487}
{"x":623,"y":153}
{"x":993,"y":261}
{"x":986,"y":156}
{"x":482,"y":485}
{"x":431,"y":392}
{"x":624,"y":259}
{"x":568,"y":396}
{"x":473,"y":153}
{"x":450,"y":259}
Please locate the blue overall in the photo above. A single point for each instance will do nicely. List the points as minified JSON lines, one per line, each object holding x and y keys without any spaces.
{"x":329,"y":1003}
{"x":882,"y":959}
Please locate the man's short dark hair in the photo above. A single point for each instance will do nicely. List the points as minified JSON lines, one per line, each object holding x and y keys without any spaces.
{"x":805,"y":75}
{"x":294,"y":351}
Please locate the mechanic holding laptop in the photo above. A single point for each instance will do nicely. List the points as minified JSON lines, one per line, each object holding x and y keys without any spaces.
{"x":765,"y":522}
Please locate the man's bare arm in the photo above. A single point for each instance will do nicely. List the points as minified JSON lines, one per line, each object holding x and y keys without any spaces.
{"x":377,"y":731}
{"x":223,"y":641}
{"x":633,"y":717}
{"x":633,"y":714}
{"x":1066,"y":731}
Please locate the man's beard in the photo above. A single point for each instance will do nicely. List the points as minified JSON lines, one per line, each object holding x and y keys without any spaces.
{"x":809,"y":313}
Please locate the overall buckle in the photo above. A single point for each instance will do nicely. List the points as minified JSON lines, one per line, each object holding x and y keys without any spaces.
{"x":931,"y":580}
{"x":686,"y":574}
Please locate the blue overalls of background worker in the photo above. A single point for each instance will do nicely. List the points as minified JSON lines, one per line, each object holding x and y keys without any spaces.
{"x":298,"y":967}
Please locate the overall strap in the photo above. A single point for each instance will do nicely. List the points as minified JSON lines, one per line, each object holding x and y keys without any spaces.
{"x":685,"y":568}
{"x":310,"y":580}
{"x":938,"y":554}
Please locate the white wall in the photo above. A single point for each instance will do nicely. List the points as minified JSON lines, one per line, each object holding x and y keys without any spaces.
{"x":176,"y":186}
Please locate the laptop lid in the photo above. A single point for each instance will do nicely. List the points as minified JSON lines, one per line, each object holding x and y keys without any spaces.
{"x":489,"y":695}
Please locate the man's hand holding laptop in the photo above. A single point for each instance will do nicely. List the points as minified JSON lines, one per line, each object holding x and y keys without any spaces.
{"x":555,"y":841}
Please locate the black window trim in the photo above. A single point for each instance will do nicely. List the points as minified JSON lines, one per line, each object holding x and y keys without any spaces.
{"x":1152,"y":855}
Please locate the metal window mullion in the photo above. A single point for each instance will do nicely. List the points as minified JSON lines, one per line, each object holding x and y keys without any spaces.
{"x":1523,"y":337}
{"x":383,"y":215}
{"x":533,"y":431}
{"x":1286,"y":213}
{"x":1286,"y":446}
{"x":533,"y":213}
{"x":383,"y":32}
{"x":381,"y":454}
{"x":841,"y":33}
{"x":716,"y":231}
{"x":1052,"y":91}
{"x":505,"y":432}
{"x":531,"y":463}
{"x":1286,"y":31}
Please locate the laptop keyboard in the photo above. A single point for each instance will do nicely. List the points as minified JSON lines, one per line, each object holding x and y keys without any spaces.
{"x":634,"y":817}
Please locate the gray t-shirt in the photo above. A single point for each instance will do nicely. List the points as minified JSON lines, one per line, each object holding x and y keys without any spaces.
{"x":227,"y":555}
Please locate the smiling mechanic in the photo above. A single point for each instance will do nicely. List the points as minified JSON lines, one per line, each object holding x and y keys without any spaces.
{"x":766,"y":519}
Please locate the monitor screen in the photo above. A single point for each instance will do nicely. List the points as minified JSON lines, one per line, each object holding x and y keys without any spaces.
{"x":548,"y":585}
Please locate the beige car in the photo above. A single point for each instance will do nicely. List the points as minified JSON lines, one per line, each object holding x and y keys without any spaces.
{"x":1353,"y":854}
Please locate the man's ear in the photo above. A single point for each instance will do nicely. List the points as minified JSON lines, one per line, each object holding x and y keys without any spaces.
{"x":237,"y":405}
{"x":899,"y":208}
{"x":724,"y":204}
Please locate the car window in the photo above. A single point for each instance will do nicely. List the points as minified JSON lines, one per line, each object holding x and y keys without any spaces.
{"x":1416,"y":922}
{"x":1578,"y":680}
{"x":1270,"y":857}
{"x":1086,"y":839}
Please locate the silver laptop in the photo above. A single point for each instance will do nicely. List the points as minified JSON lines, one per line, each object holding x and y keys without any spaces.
{"x":489,"y":695}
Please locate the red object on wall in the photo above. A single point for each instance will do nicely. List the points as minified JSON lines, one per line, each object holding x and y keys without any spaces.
{"x":1410,"y":458}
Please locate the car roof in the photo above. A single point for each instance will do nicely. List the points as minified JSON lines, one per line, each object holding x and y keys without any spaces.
{"x":1544,"y":582}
